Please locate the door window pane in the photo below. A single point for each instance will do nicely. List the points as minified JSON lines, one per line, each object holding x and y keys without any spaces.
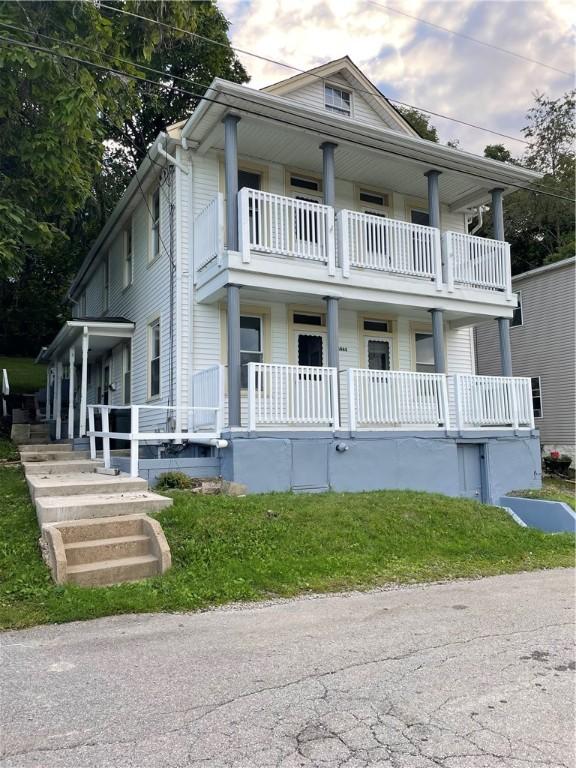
{"x":310,"y":350}
{"x":378,"y":355}
{"x":424,"y":353}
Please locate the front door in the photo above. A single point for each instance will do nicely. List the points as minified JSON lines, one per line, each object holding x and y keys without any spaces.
{"x":471,"y":470}
{"x":378,"y":354}
{"x":310,"y":348}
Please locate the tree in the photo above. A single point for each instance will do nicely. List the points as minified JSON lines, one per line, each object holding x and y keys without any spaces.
{"x":420,"y":122}
{"x":71,"y":135}
{"x":498,"y":152}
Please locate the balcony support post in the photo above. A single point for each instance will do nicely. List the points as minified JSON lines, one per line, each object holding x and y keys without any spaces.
{"x":332,"y":331}
{"x":497,"y":214}
{"x":438,"y":340}
{"x":231,"y":179}
{"x":503,"y":322}
{"x":233,"y":336}
{"x":434,"y":221}
{"x":328,"y":173}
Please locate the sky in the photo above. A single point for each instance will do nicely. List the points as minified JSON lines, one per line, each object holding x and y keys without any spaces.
{"x":418,"y":64}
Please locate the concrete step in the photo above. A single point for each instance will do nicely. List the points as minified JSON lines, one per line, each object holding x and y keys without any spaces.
{"x":99,"y":550}
{"x":45,"y":448}
{"x":39,"y":429}
{"x":35,"y":440}
{"x":75,"y":531}
{"x":58,"y":467}
{"x":52,"y":456}
{"x":114,"y":571}
{"x":107,"y":503}
{"x":70,"y":484}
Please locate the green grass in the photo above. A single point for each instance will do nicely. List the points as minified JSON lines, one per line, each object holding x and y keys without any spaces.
{"x":24,"y":376}
{"x":227,"y":549}
{"x":553,"y":489}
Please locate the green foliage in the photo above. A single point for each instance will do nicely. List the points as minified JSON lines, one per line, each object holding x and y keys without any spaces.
{"x":24,"y":375}
{"x":499,"y":152}
{"x":420,"y":122}
{"x":174,"y":481}
{"x":226,"y":549}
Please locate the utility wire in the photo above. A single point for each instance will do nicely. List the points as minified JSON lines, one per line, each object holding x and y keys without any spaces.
{"x":304,"y":71}
{"x":205,"y":86}
{"x":390,"y":9}
{"x":326,"y":133}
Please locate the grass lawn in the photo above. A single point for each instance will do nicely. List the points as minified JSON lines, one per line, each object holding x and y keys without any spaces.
{"x":24,"y":376}
{"x":553,"y":489}
{"x":226,"y":549}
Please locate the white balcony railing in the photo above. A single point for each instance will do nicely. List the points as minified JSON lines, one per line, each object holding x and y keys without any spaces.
{"x":493,"y":401}
{"x":209,"y":233}
{"x":478,"y":262}
{"x":397,"y":399}
{"x":285,"y":226}
{"x":298,"y":395}
{"x":388,"y":245}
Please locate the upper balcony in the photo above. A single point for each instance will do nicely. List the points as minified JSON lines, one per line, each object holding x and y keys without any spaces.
{"x":291,"y":238}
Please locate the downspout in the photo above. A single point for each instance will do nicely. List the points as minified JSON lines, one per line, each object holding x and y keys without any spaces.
{"x":170,"y":158}
{"x":480,"y":213}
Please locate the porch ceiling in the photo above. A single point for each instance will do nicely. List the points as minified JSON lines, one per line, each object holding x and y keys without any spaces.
{"x":103,"y":334}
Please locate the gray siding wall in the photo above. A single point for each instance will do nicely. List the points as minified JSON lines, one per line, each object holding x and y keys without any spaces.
{"x":542,"y":346}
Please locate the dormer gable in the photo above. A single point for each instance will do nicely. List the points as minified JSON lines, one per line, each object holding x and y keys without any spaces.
{"x":340,"y":87}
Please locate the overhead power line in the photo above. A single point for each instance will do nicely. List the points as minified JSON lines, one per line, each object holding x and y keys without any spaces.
{"x":325,"y":133}
{"x":278,"y":63}
{"x":206,"y":85}
{"x":390,"y":9}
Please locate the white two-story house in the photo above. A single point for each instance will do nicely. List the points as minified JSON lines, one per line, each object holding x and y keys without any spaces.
{"x":289,"y":287}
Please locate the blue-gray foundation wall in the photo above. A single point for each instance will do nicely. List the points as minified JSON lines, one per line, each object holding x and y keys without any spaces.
{"x":413,"y":461}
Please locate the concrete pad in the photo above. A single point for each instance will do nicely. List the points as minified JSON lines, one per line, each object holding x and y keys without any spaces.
{"x":53,"y":509}
{"x":76,"y":484}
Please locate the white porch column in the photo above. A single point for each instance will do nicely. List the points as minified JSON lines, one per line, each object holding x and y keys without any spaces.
{"x":503,"y":322}
{"x":83,"y":383}
{"x":71,"y":385}
{"x":58,"y":400}
{"x":231,"y":179}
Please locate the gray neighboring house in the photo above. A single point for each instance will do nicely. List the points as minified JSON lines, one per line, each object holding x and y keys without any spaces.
{"x":542,"y":334}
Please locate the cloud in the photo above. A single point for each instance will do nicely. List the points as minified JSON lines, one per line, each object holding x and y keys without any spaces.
{"x":415,"y":63}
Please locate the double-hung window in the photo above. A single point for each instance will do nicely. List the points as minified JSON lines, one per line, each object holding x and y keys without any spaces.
{"x":128,"y":256}
{"x":517,"y":318}
{"x":155,"y":226}
{"x":337,"y":100}
{"x":536,"y":396}
{"x":251,"y":349}
{"x":154,"y":359}
{"x":424,"y":352}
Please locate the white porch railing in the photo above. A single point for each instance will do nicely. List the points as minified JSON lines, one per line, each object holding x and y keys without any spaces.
{"x":285,"y":226}
{"x":292,"y":395}
{"x":478,"y":262}
{"x":388,"y":245}
{"x":5,"y":391}
{"x":209,"y":233}
{"x":208,"y":398}
{"x":136,"y":435}
{"x":493,"y":401}
{"x":397,"y":399}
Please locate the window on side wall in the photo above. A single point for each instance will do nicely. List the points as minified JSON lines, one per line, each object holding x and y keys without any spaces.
{"x":154,"y":359}
{"x":251,"y":344}
{"x":424,"y":352}
{"x":126,"y":374}
{"x":517,"y":318}
{"x":128,"y":256}
{"x":337,"y":100}
{"x":154,"y":226}
{"x":536,"y":396}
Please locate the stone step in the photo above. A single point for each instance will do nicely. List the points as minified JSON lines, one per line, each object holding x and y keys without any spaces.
{"x":57,"y":467}
{"x":102,"y":550}
{"x":113,"y":571}
{"x":45,"y":448}
{"x":52,"y":456}
{"x":70,"y":484}
{"x":95,"y":504}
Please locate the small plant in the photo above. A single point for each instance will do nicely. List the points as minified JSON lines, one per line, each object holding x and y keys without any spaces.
{"x":174,"y":481}
{"x":557,"y":463}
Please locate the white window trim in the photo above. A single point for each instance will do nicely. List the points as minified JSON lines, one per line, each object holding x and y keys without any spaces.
{"x":151,"y":323}
{"x":292,"y":191}
{"x":520,"y":305}
{"x":128,"y":237}
{"x":153,"y":257}
{"x":540,"y":394}
{"x":385,"y":209}
{"x":342,"y":89}
{"x":126,"y":396}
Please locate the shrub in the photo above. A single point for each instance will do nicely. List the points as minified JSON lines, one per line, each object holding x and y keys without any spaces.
{"x":174,"y":480}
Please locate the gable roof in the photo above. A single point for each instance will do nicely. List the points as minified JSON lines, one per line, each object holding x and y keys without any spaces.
{"x":357,"y":79}
{"x":545,"y":268}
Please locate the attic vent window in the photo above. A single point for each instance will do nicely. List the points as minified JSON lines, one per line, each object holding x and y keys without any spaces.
{"x":337,"y":100}
{"x":373,"y":198}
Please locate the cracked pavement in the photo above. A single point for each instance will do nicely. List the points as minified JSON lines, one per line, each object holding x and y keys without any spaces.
{"x":469,"y":674}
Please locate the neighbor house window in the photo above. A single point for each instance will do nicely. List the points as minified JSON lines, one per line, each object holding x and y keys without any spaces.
{"x":106,"y":283}
{"x":155,"y":226}
{"x":517,"y":316}
{"x":128,"y":256}
{"x":424,"y":352}
{"x":126,"y":373}
{"x":536,"y":396}
{"x":154,"y":359}
{"x":251,"y":349}
{"x":337,"y":100}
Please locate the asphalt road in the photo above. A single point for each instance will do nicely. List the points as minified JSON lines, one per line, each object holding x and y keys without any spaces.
{"x":463,"y":675}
